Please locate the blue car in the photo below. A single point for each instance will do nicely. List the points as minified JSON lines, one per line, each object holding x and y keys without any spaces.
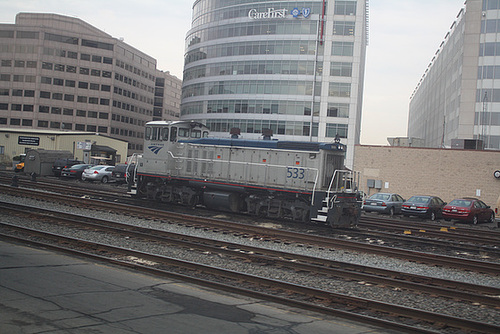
{"x":384,"y":203}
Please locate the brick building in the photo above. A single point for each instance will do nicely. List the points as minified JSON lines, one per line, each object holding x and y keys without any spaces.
{"x":446,"y":173}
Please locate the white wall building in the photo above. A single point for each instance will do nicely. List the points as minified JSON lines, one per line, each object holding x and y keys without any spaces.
{"x":295,"y":67}
{"x":458,"y":97}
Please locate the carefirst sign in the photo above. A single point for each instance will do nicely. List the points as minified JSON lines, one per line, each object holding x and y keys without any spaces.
{"x":272,"y":13}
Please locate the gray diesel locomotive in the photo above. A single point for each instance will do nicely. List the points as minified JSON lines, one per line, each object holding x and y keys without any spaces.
{"x":301,"y":181}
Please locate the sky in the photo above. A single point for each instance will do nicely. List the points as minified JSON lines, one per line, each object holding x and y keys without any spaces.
{"x":403,"y":37}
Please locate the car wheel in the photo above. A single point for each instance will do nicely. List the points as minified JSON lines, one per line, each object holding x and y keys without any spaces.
{"x":83,"y":178}
{"x":475,"y":220}
{"x":492,"y":218}
{"x":433,"y":216}
{"x":104,"y":179}
{"x":391,"y":211}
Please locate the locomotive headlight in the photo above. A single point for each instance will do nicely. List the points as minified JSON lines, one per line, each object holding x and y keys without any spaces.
{"x":312,"y":155}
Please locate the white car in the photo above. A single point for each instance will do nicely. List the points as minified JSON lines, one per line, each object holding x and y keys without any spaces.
{"x":98,"y":173}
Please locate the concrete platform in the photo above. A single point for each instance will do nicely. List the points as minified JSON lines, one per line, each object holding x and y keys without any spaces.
{"x":47,"y":292}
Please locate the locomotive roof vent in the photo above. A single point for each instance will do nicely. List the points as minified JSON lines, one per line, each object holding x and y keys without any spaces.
{"x":267,"y":134}
{"x":235,"y":133}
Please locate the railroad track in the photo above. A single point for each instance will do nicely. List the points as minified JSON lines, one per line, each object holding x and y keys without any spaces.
{"x":328,"y":302}
{"x":256,"y":231}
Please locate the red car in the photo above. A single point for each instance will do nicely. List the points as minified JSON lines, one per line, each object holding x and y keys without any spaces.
{"x":469,"y":210}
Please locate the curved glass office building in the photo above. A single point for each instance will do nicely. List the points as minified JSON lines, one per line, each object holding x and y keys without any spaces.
{"x":294,"y":67}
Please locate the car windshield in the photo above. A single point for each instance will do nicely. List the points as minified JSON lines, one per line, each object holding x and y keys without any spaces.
{"x":78,"y":166}
{"x":461,"y":203}
{"x":419,"y":199}
{"x":383,"y":197}
{"x":98,"y":167}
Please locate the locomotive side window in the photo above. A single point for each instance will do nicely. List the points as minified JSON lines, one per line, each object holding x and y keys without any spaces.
{"x":164,"y":134}
{"x":156,"y":134}
{"x":195,"y":134}
{"x":148,"y":133}
{"x":173,"y":134}
{"x":184,"y":133}
{"x":205,"y":134}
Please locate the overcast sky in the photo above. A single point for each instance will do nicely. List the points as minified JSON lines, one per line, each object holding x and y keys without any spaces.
{"x":404,"y":35}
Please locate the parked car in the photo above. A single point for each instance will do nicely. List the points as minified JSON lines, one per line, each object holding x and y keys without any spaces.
{"x":471,"y":210}
{"x":75,"y":171}
{"x":60,"y":164}
{"x":423,"y":206}
{"x":122,"y":172}
{"x":98,"y":173}
{"x":383,"y":203}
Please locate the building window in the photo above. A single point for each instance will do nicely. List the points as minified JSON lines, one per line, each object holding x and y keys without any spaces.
{"x":15,"y":121}
{"x":27,"y":122}
{"x":2,"y":149}
{"x":339,"y":89}
{"x":47,"y":66}
{"x":58,"y":82}
{"x":3,"y":120}
{"x":70,"y":83}
{"x":82,"y":84}
{"x":342,"y":49}
{"x":4,"y":106}
{"x":104,"y":102}
{"x":31,"y":64}
{"x":82,"y":99}
{"x":81,"y":113}
{"x":16,"y":107}
{"x":91,"y":128}
{"x":55,"y":125}
{"x":340,"y":69}
{"x":96,"y":73}
{"x":55,"y":110}
{"x":343,"y":28}
{"x":106,"y":74}
{"x":92,"y":114}
{"x":17,"y":92}
{"x":61,"y":38}
{"x":107,"y":60}
{"x":103,"y":115}
{"x":18,"y":78}
{"x":345,"y":7}
{"x":30,"y":78}
{"x":57,"y":96}
{"x":84,"y":70}
{"x":333,"y":129}
{"x":68,"y":112}
{"x":43,"y":124}
{"x":43,"y":109}
{"x":59,"y":67}
{"x":72,"y":55}
{"x":45,"y":95}
{"x":70,"y":69}
{"x":67,"y":126}
{"x":29,"y":93}
{"x":93,"y":100}
{"x":4,"y":92}
{"x":19,"y":63}
{"x":28,"y":107}
{"x":46,"y":80}
{"x":6,"y":63}
{"x":96,"y":59}
{"x":102,"y":129}
{"x":84,"y":56}
{"x":94,"y":86}
{"x":4,"y":77}
{"x":80,"y":127}
{"x":69,"y":97}
{"x":106,"y":88}
{"x":96,"y":44}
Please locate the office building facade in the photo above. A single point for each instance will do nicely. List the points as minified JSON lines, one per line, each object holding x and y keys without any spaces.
{"x":60,"y":73}
{"x":458,"y":98}
{"x":294,"y":67}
